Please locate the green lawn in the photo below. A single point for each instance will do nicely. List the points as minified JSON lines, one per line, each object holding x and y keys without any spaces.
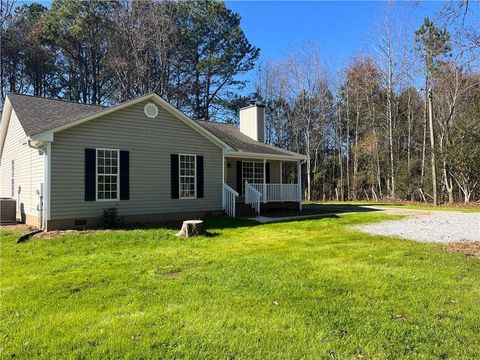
{"x":308,"y":289}
{"x":471,"y":207}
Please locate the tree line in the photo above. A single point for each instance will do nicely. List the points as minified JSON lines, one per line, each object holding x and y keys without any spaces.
{"x":400,"y":121}
{"x":102,"y":52}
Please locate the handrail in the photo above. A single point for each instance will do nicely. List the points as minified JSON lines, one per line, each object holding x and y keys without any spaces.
{"x":229,"y":188}
{"x":229,"y":200}
{"x":252,"y":197}
{"x":255,"y":191}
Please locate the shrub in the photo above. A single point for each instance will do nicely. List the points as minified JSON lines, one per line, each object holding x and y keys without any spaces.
{"x":110,"y":219}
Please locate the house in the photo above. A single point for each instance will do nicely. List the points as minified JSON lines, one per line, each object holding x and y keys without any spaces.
{"x":66,"y":162}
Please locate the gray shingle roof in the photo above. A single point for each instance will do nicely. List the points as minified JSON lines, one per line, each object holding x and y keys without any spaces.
{"x":37,"y":114}
{"x":239,"y":141}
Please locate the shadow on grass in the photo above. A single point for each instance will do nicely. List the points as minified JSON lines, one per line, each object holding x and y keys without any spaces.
{"x":215,"y":225}
{"x":313,"y":217}
{"x":217,"y":222}
{"x":318,"y":209}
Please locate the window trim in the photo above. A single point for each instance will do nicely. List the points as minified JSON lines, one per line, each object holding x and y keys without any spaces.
{"x":96,"y":175}
{"x":180,"y":177}
{"x":253,"y":168}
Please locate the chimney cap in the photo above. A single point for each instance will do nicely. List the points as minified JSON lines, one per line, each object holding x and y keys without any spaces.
{"x":252,"y":103}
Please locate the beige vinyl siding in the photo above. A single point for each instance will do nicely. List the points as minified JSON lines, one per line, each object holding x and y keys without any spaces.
{"x":231,"y":173}
{"x":28,"y":168}
{"x":274,"y":172}
{"x":150,"y":143}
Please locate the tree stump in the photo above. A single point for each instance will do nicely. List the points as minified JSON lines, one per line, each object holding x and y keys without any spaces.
{"x":191,"y":228}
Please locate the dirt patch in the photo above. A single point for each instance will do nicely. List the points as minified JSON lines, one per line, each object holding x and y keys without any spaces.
{"x":18,"y":228}
{"x":471,"y":249}
{"x":400,"y":317}
{"x":59,"y":233}
{"x":172,"y":274}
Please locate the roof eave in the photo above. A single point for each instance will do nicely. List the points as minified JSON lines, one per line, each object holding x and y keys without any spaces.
{"x":254,"y":155}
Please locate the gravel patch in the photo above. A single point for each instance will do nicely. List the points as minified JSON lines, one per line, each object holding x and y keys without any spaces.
{"x":439,"y":227}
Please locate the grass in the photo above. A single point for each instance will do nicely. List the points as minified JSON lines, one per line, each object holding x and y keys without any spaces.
{"x":471,"y":207}
{"x":309,"y":289}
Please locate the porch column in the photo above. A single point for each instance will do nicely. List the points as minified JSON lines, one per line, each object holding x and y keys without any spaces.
{"x":281,"y":181}
{"x":264,"y":181}
{"x":223,"y":179}
{"x":281,"y":172}
{"x":299,"y":184}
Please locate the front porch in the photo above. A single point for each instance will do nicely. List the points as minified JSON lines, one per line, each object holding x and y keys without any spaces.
{"x":257,"y":181}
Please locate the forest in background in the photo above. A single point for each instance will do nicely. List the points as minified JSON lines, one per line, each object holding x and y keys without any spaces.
{"x":401,"y":121}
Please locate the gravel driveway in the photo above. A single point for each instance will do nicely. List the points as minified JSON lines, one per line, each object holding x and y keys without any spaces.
{"x":430,"y":226}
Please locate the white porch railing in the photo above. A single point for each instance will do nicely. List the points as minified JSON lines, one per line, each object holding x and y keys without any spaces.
{"x":252,"y":197}
{"x":277,"y":192}
{"x":229,"y":200}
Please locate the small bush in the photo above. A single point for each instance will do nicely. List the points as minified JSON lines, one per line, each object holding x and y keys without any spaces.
{"x":110,"y":219}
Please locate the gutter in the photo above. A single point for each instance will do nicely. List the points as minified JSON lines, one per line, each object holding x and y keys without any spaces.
{"x":250,"y":155}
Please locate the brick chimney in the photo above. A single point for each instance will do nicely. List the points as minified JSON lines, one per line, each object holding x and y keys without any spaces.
{"x":252,"y":121}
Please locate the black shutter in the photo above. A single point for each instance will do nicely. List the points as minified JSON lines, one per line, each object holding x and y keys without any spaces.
{"x":239,"y":178}
{"x":199,"y":176}
{"x":124,"y":175}
{"x":267,"y":172}
{"x":90,"y":163}
{"x":174,"y":175}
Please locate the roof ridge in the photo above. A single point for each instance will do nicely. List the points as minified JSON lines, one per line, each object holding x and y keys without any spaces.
{"x":61,"y":100}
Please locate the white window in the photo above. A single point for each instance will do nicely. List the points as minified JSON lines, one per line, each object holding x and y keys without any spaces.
{"x":187,"y":176}
{"x":13,"y":179}
{"x":107,"y":174}
{"x":252,"y":171}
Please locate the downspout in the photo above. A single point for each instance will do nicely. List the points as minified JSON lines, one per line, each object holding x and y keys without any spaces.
{"x":44,"y":187}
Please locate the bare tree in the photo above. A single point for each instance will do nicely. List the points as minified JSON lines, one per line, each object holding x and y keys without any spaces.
{"x":390,"y":50}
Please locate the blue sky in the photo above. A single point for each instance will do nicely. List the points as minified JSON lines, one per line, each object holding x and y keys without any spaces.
{"x":339,"y":28}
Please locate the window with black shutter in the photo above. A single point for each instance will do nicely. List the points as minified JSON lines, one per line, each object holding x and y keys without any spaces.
{"x":174,"y":189}
{"x":200,"y":183}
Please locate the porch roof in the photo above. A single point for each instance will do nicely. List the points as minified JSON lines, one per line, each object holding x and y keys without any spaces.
{"x":243,"y":145}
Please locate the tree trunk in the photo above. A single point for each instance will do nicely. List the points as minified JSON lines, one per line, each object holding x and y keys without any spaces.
{"x":424,"y":143}
{"x":379,"y":174}
{"x":390,"y":130}
{"x":432,"y":144}
{"x":192,"y":228}
{"x":340,"y":154}
{"x":348,"y":150}
{"x":409,"y":138}
{"x":355,"y":155}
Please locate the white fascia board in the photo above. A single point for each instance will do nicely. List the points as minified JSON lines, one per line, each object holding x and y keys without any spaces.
{"x":154,"y":97}
{"x":44,"y":137}
{"x":249,"y":155}
{"x":6,"y":113}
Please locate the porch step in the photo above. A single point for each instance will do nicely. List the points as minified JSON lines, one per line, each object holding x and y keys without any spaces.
{"x":273,"y":206}
{"x":244,"y":210}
